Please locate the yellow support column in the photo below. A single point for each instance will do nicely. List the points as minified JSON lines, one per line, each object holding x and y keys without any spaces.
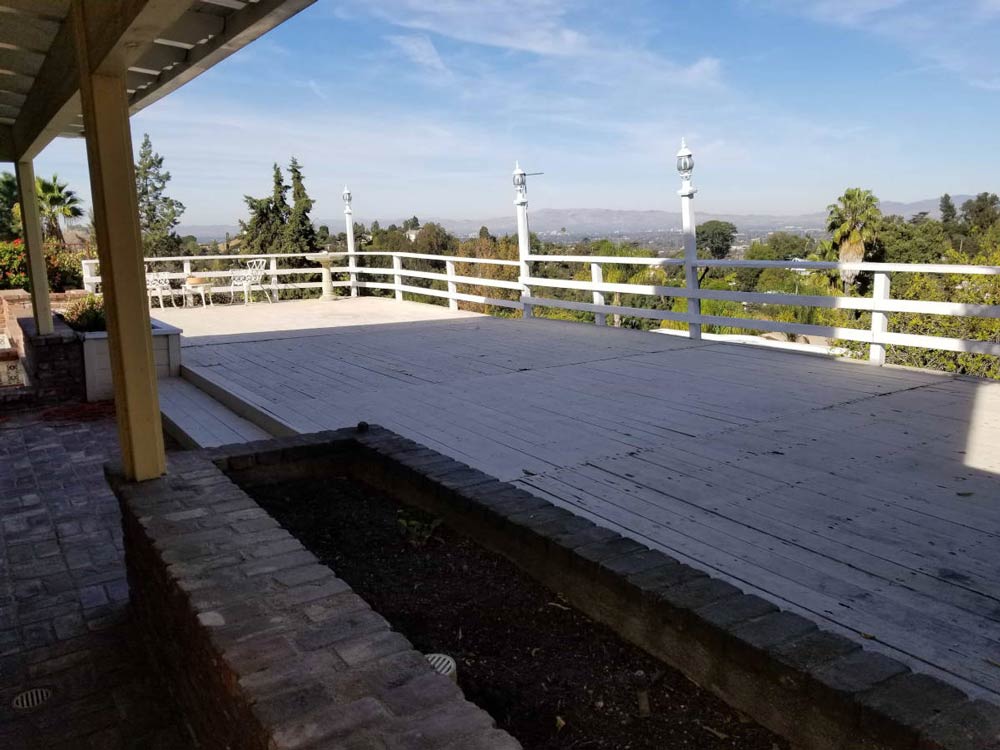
{"x":32,"y":227}
{"x":119,"y":243}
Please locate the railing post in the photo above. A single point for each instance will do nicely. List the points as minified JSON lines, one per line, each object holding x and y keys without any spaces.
{"x":352,"y":261}
{"x":449,"y":266}
{"x":523,"y":238}
{"x":597,"y":276}
{"x":274,"y":278}
{"x":880,"y":320}
{"x":685,"y":165}
{"x":188,"y":295}
{"x":397,"y":276}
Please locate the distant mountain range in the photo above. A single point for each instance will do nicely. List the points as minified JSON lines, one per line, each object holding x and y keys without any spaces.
{"x":602,"y":222}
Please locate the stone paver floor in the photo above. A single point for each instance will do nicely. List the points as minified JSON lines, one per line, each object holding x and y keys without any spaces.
{"x":63,"y":595}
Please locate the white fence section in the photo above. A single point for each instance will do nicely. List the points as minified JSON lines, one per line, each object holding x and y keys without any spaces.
{"x":395,"y":275}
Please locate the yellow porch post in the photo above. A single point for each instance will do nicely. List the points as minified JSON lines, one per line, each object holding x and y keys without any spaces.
{"x":119,"y":242}
{"x":32,"y":229}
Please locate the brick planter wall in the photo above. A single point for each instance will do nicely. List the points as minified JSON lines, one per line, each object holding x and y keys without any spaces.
{"x":53,"y":363}
{"x":264,"y":647}
{"x":15,"y":303}
{"x":816,"y":688}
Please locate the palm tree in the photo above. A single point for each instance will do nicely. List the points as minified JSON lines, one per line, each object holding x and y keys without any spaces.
{"x":854,"y":221}
{"x":55,"y":202}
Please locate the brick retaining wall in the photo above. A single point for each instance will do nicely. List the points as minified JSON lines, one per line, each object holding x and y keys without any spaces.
{"x":818,"y":689}
{"x":264,"y":647}
{"x":15,"y":303}
{"x":53,"y":364}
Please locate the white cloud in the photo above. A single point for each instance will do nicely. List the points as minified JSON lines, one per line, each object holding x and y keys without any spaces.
{"x":959,"y":36}
{"x":528,"y":25}
{"x":419,"y":49}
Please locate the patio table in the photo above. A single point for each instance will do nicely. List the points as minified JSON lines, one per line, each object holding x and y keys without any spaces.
{"x":191,"y":289}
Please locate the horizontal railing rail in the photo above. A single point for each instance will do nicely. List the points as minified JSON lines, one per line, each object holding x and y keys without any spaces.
{"x":452,"y":286}
{"x":877,"y":336}
{"x":277,"y":277}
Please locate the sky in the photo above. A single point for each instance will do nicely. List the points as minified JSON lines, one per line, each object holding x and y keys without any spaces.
{"x":422,"y":106}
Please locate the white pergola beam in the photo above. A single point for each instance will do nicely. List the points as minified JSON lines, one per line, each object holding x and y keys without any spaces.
{"x":234,"y":4}
{"x":12,"y":99}
{"x":241,"y":28}
{"x":116,"y":34}
{"x":120,"y":34}
{"x":24,"y":32}
{"x":191,"y":30}
{"x":55,"y":10}
{"x":20,"y":62}
{"x":158,"y":58}
{"x":14,"y":83}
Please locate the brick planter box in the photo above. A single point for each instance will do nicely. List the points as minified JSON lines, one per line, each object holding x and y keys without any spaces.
{"x":229,"y":603}
{"x":97,"y":359}
{"x":53,"y":363}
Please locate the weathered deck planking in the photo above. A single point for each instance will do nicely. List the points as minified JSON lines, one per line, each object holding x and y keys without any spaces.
{"x":867,"y":498}
{"x":199,"y":420}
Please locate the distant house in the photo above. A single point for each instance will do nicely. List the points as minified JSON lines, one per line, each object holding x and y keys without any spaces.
{"x":411,"y":234}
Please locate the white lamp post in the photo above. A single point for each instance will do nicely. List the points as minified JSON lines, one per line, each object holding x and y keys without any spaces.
{"x":685,"y":165}
{"x":523,"y":235}
{"x":352,"y":264}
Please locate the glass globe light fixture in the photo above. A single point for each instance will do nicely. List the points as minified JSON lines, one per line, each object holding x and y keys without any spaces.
{"x":685,"y":161}
{"x":347,"y":195}
{"x":519,"y":178}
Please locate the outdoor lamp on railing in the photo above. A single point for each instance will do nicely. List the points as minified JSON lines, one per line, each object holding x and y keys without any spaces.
{"x":347,"y":195}
{"x":685,"y":161}
{"x":519,"y":176}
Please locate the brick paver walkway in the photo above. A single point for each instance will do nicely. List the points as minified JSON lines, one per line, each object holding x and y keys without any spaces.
{"x":63,"y":594}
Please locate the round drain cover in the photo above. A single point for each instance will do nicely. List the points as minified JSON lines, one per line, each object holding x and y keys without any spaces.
{"x":444,"y":664}
{"x":31,"y":699}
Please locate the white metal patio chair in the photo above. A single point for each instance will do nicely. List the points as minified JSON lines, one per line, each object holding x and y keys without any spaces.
{"x":158,"y":284}
{"x":248,"y":279}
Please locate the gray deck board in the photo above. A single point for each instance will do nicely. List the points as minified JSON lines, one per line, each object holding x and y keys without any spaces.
{"x":866,"y":498}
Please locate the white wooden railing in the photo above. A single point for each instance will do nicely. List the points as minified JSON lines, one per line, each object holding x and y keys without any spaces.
{"x":394,"y":278}
{"x":879,"y":304}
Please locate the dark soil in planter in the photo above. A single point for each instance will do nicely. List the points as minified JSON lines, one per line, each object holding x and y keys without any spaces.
{"x":549,"y":675}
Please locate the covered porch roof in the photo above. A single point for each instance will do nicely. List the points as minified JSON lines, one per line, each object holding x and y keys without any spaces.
{"x":160,"y":44}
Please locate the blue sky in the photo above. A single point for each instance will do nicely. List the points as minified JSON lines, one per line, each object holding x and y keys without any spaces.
{"x":422,"y":106}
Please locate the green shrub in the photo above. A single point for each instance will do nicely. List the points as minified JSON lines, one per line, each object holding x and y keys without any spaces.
{"x":13,"y":265}
{"x":86,"y":314}
{"x":62,"y":266}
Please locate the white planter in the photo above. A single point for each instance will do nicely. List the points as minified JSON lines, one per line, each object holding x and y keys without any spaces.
{"x":97,"y":359}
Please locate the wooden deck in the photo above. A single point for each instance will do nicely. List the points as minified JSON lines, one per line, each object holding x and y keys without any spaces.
{"x":866,"y":498}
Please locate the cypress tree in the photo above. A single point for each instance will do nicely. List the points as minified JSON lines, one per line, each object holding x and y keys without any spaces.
{"x":159,"y":214}
{"x":300,"y":234}
{"x":948,"y":211}
{"x":264,"y":232}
